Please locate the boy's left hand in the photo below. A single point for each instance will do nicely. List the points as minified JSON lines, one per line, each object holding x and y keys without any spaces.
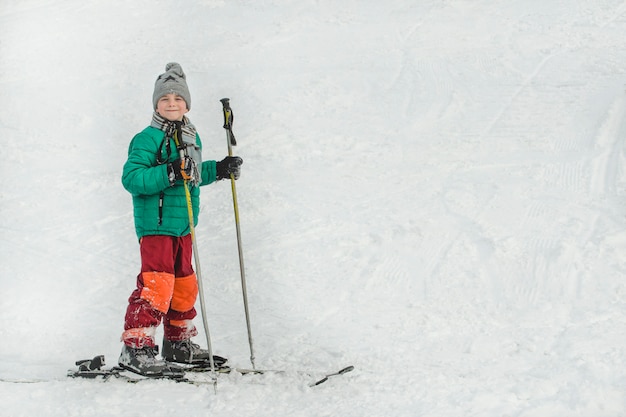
{"x":227,"y":166}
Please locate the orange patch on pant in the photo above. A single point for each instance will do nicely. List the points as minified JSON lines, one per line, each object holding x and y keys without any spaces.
{"x":138,"y":338}
{"x":185,"y":293}
{"x":158,"y":288}
{"x":182,"y":323}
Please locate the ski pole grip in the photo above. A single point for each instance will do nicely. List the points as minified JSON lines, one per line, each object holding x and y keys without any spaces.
{"x":228,"y":120}
{"x":228,"y":113}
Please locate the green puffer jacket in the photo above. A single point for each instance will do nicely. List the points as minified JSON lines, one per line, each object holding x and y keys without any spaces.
{"x":145,"y":179}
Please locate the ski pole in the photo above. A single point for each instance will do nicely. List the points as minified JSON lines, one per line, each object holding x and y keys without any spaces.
{"x":230,"y":139}
{"x":196,"y":258}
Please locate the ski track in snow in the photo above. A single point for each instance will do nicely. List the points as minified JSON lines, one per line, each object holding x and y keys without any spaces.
{"x":432,"y":192}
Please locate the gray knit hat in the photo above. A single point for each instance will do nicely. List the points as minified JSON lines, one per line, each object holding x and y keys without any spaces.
{"x":173,"y":80}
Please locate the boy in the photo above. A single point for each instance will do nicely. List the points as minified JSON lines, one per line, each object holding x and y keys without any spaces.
{"x":160,"y":159}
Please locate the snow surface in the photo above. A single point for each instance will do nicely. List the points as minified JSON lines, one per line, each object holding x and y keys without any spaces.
{"x":433,"y":192}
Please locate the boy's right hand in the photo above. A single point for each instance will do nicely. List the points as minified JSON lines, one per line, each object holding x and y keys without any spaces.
{"x":181,"y":169}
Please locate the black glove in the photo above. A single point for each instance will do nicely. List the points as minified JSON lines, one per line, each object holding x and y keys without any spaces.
{"x":227,"y":166}
{"x":181,"y":169}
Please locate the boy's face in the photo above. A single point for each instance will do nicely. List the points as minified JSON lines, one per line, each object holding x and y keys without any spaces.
{"x":172,"y":107}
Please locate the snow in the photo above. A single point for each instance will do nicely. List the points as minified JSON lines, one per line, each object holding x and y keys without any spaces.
{"x":432,"y":191}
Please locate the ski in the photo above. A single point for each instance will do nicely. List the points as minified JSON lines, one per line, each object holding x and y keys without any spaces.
{"x":317,"y":382}
{"x":247,"y":371}
{"x":328,"y":376}
{"x":122,"y":374}
{"x":95,"y":368}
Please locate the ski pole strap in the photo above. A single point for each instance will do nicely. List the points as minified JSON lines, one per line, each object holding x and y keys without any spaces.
{"x":175,"y":134}
{"x":228,"y":120}
{"x":168,"y":149}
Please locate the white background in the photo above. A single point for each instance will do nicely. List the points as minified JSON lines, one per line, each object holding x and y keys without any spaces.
{"x":432,"y":191}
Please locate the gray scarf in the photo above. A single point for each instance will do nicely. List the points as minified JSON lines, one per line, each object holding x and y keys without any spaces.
{"x":188,"y":139}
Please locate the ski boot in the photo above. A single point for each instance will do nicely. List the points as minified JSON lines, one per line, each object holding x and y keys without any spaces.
{"x":143,"y":361}
{"x":187,"y":352}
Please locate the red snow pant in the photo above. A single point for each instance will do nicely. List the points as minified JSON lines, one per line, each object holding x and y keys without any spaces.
{"x":167,"y":288}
